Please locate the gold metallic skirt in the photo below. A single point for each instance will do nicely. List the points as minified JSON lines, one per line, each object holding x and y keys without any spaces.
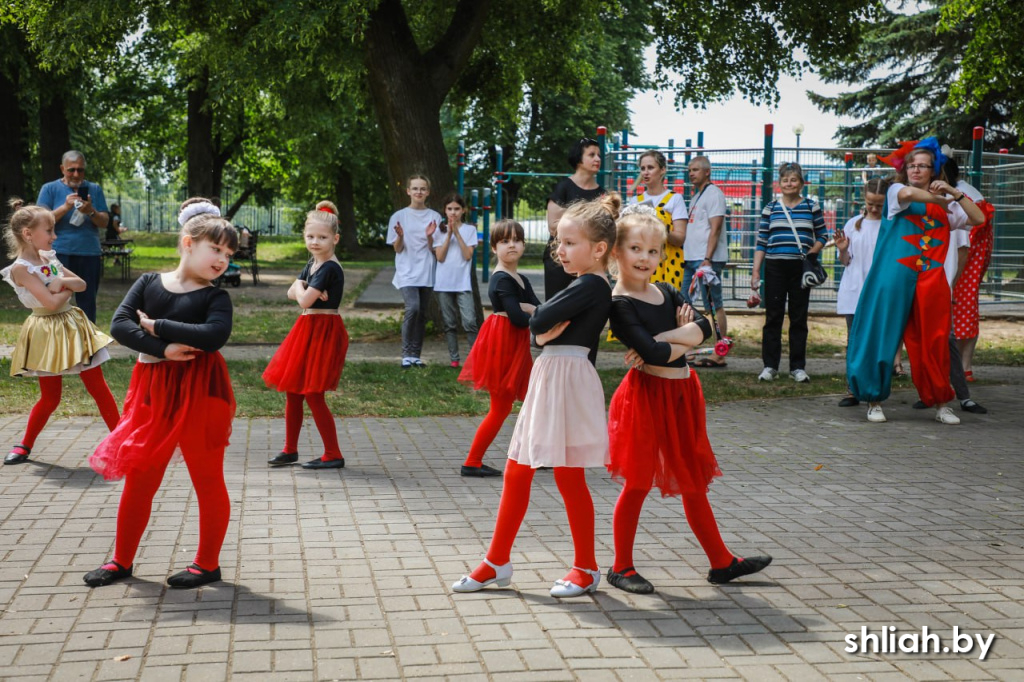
{"x":56,"y":343}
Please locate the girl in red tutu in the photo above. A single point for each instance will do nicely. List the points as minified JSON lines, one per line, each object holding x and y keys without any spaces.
{"x":562,"y":421}
{"x":656,"y":425}
{"x":500,"y":361}
{"x":179,"y":397}
{"x":57,"y":339}
{"x":310,"y":359}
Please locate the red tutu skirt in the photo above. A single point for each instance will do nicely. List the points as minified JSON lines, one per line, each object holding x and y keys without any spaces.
{"x":311,"y":357}
{"x":164,"y":400}
{"x":500,"y":361}
{"x":657,"y":432}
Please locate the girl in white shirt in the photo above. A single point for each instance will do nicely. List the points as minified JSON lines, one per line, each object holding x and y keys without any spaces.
{"x":454,"y":244}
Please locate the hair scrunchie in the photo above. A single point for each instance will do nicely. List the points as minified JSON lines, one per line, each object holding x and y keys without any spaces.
{"x":198,"y":208}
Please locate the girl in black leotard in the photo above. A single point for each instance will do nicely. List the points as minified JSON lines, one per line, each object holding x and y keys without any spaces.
{"x":179,"y":397}
{"x":500,"y":360}
{"x":562,"y":422}
{"x":656,"y":425}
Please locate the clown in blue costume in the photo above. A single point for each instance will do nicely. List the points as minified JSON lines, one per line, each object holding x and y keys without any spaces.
{"x":906,"y":293}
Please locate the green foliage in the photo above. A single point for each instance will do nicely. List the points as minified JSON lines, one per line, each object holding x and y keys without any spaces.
{"x":913,"y":98}
{"x":993,"y":64}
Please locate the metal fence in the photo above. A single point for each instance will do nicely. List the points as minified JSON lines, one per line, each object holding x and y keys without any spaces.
{"x":834,"y":177}
{"x":145,"y":208}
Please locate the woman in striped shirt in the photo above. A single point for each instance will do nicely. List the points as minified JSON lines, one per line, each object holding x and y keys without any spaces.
{"x":781,"y":253}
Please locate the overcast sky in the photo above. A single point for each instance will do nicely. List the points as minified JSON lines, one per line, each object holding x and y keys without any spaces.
{"x":737,"y":124}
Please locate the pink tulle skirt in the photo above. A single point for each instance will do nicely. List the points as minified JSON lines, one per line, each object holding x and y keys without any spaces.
{"x":562,"y":421}
{"x":500,"y":361}
{"x":164,"y":400}
{"x":657,"y":432}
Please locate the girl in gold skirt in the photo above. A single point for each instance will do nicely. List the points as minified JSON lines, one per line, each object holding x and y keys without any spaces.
{"x":57,"y":338}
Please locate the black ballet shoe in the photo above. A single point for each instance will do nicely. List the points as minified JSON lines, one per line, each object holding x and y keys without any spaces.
{"x":973,"y":407}
{"x":104,"y":576}
{"x":919,"y":405}
{"x":849,"y":401}
{"x":193,"y":577}
{"x":482,"y":471}
{"x":282,"y":458}
{"x":18,"y":457}
{"x":635,"y":583}
{"x":324,"y":464}
{"x":738,"y":568}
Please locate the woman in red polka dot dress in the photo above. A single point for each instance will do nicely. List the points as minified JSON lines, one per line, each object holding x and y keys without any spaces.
{"x":965,"y":293}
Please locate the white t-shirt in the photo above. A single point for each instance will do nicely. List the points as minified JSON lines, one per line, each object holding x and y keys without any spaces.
{"x":453,"y":273}
{"x":970,"y":190}
{"x":703,"y":207}
{"x":675,"y":206}
{"x":958,"y":238}
{"x":862,"y":254}
{"x":414,"y":265}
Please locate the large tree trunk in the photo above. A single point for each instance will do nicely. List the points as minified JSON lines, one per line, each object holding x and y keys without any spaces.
{"x":407,"y":88}
{"x":345,"y":198}
{"x":54,"y":128}
{"x":200,"y":152}
{"x":13,"y":146}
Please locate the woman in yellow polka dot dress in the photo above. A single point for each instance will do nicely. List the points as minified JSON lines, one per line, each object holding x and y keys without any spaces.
{"x":671,"y":210}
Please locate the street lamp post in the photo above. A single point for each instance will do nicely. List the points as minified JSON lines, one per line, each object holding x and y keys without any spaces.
{"x":798,"y":130}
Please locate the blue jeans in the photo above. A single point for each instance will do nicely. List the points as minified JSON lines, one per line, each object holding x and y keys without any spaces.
{"x":690,"y":269}
{"x":88,"y":268}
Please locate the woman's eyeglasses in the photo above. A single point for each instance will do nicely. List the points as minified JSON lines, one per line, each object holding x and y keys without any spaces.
{"x":919,"y":167}
{"x":588,"y":142}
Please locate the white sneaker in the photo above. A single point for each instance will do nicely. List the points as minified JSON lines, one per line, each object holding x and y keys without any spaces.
{"x":768,"y":374}
{"x":875,"y":413}
{"x":946,"y":416}
{"x":800,"y":376}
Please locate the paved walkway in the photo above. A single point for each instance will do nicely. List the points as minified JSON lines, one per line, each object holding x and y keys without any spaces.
{"x":345,"y":574}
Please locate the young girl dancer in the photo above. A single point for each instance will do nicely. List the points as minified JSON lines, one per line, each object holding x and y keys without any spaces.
{"x":410,"y":233}
{"x":856,"y":244}
{"x":179,"y":397}
{"x":453,"y":246}
{"x":311,"y":357}
{"x":656,"y":421}
{"x":57,"y":338}
{"x":670,"y":209}
{"x":562,"y":421}
{"x":500,"y":361}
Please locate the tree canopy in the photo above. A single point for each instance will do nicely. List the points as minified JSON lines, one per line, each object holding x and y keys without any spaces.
{"x":915,"y":78}
{"x":318,"y":98}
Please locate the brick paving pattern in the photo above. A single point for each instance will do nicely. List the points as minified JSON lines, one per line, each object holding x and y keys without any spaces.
{"x":345,"y":574}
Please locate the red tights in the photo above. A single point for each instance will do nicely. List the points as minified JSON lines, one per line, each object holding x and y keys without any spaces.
{"x":50,"y":389}
{"x":206,"y":469}
{"x":515,"y":498}
{"x":322,"y":417}
{"x":698,"y":515}
{"x":501,"y":407}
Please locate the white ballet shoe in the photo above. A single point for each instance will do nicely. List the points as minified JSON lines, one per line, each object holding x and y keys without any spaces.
{"x":564,"y":588}
{"x":502,"y":578}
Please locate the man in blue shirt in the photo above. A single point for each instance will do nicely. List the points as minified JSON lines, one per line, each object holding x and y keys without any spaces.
{"x":79,"y":215}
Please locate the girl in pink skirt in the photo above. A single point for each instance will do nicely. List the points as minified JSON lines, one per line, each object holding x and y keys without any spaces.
{"x":562,"y":422}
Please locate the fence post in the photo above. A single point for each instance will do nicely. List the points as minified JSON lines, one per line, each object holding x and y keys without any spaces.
{"x":602,"y":141}
{"x":461,"y":163}
{"x":996,"y":197}
{"x":487,"y":236}
{"x":767,"y":164}
{"x":686,"y":160}
{"x":474,"y":205}
{"x":976,"y":152}
{"x":499,"y":181}
{"x":848,"y":191}
{"x":700,"y":139}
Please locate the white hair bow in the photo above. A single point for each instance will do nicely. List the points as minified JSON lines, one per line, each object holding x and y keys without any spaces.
{"x":199,"y":208}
